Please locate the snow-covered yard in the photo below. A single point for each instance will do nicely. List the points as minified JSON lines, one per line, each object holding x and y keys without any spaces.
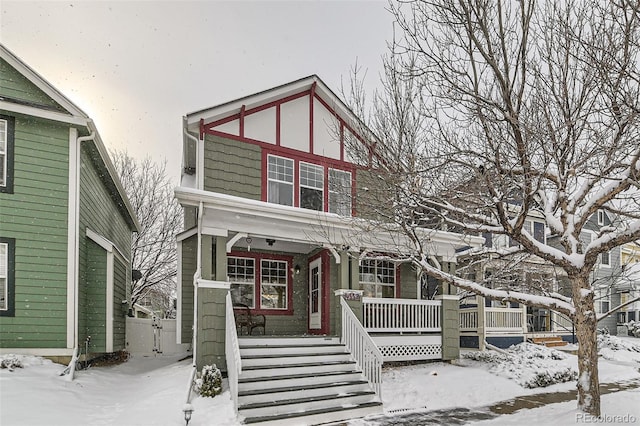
{"x":145,"y":391}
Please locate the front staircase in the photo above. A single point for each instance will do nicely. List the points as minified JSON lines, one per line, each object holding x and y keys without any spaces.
{"x":301,"y":381}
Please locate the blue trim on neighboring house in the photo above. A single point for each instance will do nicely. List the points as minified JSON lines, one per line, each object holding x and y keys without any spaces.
{"x":570,"y":338}
{"x":504,"y":342}
{"x":469,"y":342}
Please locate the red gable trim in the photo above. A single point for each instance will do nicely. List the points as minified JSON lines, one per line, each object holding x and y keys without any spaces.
{"x":278,"y":125}
{"x":242,"y":121}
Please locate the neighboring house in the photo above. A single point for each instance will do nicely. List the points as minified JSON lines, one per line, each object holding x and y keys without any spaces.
{"x":508,"y":323}
{"x":65,"y":225}
{"x":270,"y":196}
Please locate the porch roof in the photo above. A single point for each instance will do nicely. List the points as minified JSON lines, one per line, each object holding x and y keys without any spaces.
{"x":301,"y":231}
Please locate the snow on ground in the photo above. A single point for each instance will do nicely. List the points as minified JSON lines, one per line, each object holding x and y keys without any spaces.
{"x":152,"y":391}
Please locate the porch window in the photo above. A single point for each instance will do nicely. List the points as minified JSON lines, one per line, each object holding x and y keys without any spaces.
{"x":273,"y":284}
{"x":241,"y":274}
{"x":340,"y":192}
{"x":280,"y":176}
{"x":378,"y":278}
{"x":311,"y":186}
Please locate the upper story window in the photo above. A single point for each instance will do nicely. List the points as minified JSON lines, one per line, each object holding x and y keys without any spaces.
{"x":308,"y":185}
{"x":311,"y":186}
{"x":605,"y":258}
{"x":7,"y":126}
{"x":340,"y":192}
{"x":378,"y":278}
{"x":600,"y":217}
{"x":280,"y":177}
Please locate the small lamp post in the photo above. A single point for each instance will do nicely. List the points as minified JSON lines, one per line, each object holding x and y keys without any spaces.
{"x":188,"y":410}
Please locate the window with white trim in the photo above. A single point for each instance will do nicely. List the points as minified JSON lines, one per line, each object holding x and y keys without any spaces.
{"x":340,"y":192}
{"x":273,"y":284}
{"x":3,"y":152}
{"x":280,"y":180}
{"x":602,"y":300}
{"x":600,"y":217}
{"x":378,"y":278}
{"x":311,"y":186}
{"x":4,"y":276}
{"x":241,"y":273}
{"x":605,"y":258}
{"x":7,"y":276}
{"x":7,"y":139}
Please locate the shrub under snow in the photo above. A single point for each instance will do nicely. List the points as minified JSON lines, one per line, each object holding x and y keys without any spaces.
{"x":209,"y":382}
{"x":10,"y":362}
{"x":531,"y":366}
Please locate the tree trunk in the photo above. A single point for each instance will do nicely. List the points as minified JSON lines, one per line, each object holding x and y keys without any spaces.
{"x":586,"y":323}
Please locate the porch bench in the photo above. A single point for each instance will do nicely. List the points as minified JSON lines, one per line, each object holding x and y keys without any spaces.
{"x":245,"y":319}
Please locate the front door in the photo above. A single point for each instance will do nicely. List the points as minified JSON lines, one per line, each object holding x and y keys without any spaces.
{"x":315,"y":294}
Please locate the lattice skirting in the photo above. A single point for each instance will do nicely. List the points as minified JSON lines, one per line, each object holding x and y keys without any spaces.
{"x":411,"y":352}
{"x":409,"y":347}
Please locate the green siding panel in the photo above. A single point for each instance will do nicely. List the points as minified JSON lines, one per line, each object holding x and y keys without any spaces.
{"x":119,"y":308}
{"x":15,"y":85}
{"x":232,"y":167}
{"x":95,"y":301}
{"x":36,"y":216}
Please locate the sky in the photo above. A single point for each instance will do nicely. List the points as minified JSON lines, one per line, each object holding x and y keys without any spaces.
{"x":137,"y":67}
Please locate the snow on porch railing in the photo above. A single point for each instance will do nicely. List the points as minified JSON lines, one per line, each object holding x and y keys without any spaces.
{"x":505,"y":320}
{"x":561,"y":322}
{"x":232,"y":351}
{"x":401,"y":315}
{"x":362,"y":348}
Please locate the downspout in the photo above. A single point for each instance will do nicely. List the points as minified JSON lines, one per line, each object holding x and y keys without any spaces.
{"x":76,"y":239}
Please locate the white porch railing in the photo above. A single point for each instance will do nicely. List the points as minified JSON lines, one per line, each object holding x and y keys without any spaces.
{"x":505,"y":320}
{"x":362,"y":348}
{"x":232,"y":351}
{"x":401,"y":315}
{"x":561,"y":322}
{"x":468,"y":319}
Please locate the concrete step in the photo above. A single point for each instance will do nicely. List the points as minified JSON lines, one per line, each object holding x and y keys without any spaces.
{"x":298,"y":405}
{"x":306,"y":390}
{"x":291,"y":341}
{"x":246,"y":384}
{"x":314,"y":417}
{"x":279,"y":360}
{"x":310,"y":367}
{"x":247,"y":351}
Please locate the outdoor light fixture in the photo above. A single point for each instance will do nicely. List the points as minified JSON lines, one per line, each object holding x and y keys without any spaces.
{"x":296,"y":269}
{"x":270,"y":241}
{"x":188,"y":410}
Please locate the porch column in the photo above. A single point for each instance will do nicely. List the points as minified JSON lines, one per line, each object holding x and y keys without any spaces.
{"x":354,"y":300}
{"x":450,"y":327}
{"x":482,"y":332}
{"x":212,"y":293}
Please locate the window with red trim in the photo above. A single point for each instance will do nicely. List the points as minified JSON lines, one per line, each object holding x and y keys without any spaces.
{"x":378,"y":278}
{"x":261,"y":281}
{"x":293,"y":182}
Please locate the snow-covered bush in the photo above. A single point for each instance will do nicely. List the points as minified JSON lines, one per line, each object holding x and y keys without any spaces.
{"x":10,"y":362}
{"x":616,"y":344}
{"x":634,"y":328}
{"x":209,"y":382}
{"x":531,"y":366}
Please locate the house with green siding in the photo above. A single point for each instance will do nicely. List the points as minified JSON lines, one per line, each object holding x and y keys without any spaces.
{"x":65,"y":225}
{"x":280,"y":254}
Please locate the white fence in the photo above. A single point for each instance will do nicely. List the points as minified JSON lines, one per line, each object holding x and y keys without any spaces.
{"x":147,"y":337}
{"x":401,"y":315}
{"x":505,"y":320}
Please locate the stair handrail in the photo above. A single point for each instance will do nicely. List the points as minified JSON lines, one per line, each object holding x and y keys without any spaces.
{"x":232,"y":351}
{"x":362,"y":347}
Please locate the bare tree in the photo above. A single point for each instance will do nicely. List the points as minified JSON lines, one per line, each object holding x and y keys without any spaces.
{"x":153,"y":249}
{"x":495,"y":110}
